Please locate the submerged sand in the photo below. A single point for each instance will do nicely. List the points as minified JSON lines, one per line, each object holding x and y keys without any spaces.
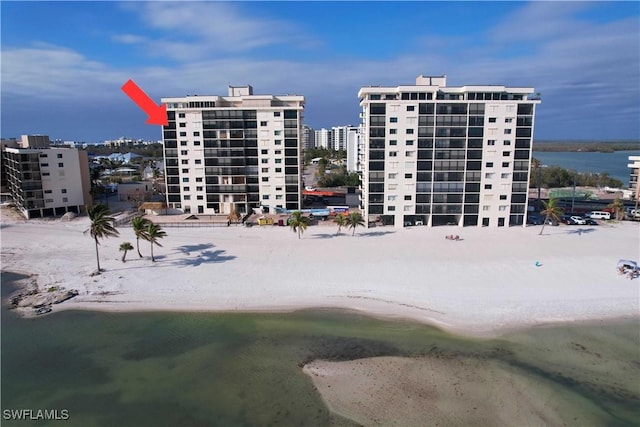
{"x":441,"y":391}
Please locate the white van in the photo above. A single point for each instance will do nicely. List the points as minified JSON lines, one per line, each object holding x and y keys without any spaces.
{"x":600,"y":215}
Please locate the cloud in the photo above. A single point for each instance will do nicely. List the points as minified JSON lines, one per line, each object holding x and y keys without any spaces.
{"x":192,"y":30}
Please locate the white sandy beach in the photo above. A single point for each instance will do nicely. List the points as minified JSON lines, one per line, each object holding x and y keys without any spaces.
{"x":482,"y":285}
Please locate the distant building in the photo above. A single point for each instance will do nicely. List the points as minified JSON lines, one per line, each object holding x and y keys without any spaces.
{"x":237,"y":152}
{"x":440,"y":155}
{"x":634,"y":165}
{"x":308,"y":137}
{"x":322,"y":138}
{"x":353,"y":149}
{"x":45,"y":181}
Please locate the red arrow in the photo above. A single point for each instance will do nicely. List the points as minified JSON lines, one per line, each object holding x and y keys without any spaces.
{"x":157,"y":113}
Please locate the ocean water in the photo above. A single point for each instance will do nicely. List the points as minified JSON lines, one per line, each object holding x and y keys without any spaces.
{"x":203,"y":369}
{"x":613,"y":163}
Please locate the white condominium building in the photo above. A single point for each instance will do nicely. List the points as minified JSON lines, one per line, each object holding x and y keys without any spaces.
{"x":45,"y":181}
{"x":438,"y":155}
{"x":235,"y":152}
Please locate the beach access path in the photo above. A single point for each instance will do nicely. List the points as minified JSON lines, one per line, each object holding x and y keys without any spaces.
{"x":492,"y":280}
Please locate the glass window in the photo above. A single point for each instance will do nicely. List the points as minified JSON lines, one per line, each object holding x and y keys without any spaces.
{"x":489,"y":164}
{"x":393,"y":119}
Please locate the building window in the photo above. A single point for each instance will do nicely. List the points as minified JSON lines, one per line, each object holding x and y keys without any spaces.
{"x":45,"y":174}
{"x":505,"y":164}
{"x":503,"y":197}
{"x":185,"y":179}
{"x":64,"y":191}
{"x":411,"y":108}
{"x":391,"y":208}
{"x":393,"y":175}
{"x":278,"y":169}
{"x":393,"y":119}
{"x":199,"y":188}
{"x":196,"y":134}
{"x":408,"y":175}
{"x":200,"y":197}
{"x":507,"y":142}
{"x":276,"y":114}
{"x":507,"y":131}
{"x":502,"y":208}
{"x":492,"y":119}
{"x":185,"y":188}
{"x":48,"y":191}
{"x":277,"y":132}
{"x":199,"y":180}
{"x":187,"y":197}
{"x":183,"y":143}
{"x":409,"y":142}
{"x":393,"y":154}
{"x":59,"y":155}
{"x":409,"y":131}
{"x":183,"y":125}
{"x":181,"y":115}
{"x":196,"y":142}
{"x":508,"y":120}
{"x":265,"y":170}
{"x":185,"y":170}
{"x":486,"y":208}
{"x":184,"y":161}
{"x":491,"y":142}
{"x":264,"y":151}
{"x":487,"y":186}
{"x":263,"y":161}
{"x":489,"y":164}
{"x":184,"y":152}
{"x":393,"y":142}
{"x":278,"y":160}
{"x":278,"y":188}
{"x":488,"y":175}
{"x":278,"y":196}
{"x":506,"y":153}
{"x":45,"y":165}
{"x":42,"y":155}
{"x":65,"y":200}
{"x":391,"y":198}
{"x":183,"y":134}
{"x":407,"y":197}
{"x":408,"y":208}
{"x":265,"y":197}
{"x":393,"y":131}
{"x":198,"y":161}
{"x":265,"y":179}
{"x":505,"y":175}
{"x":60,"y":165}
{"x":277,"y":152}
{"x":278,"y":142}
{"x":263,"y":123}
{"x":409,"y":153}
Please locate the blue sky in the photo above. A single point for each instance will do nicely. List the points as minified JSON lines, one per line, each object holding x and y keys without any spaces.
{"x":63,"y":63}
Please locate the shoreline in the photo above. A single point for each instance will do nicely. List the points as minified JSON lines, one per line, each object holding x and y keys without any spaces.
{"x":485,"y":285}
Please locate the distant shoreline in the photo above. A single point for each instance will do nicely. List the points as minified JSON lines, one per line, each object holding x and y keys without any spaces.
{"x":585,"y":146}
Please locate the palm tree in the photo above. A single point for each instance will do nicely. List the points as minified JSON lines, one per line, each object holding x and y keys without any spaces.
{"x":341,"y":221}
{"x":298,"y":222}
{"x":618,"y":208}
{"x":139,"y":225}
{"x":354,"y":220}
{"x":125,"y":247}
{"x":101,"y":226}
{"x":154,"y":232}
{"x":551,"y":211}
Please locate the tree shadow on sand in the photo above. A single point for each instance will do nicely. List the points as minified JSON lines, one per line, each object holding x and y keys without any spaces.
{"x":580,"y":231}
{"x":204,"y":257}
{"x":326,"y":235}
{"x":374,"y":233}
{"x":187,"y":249}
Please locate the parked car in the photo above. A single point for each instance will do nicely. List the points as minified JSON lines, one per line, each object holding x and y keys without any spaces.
{"x":578,"y":220}
{"x":566,"y":219}
{"x":600,"y":215}
{"x":589,"y":221}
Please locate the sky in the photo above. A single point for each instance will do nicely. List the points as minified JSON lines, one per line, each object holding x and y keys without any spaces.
{"x":63,"y":63}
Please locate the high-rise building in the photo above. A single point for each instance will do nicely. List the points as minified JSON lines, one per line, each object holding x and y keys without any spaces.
{"x":233,"y":153}
{"x":353,"y":149}
{"x":308,"y":137}
{"x":323,"y":138}
{"x":45,"y":181}
{"x":438,"y":155}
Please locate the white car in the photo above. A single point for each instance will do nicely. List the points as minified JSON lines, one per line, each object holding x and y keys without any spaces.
{"x":579,"y":220}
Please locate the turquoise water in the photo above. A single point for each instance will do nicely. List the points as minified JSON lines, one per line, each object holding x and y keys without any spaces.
{"x":613,"y":163}
{"x":202,"y":369}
